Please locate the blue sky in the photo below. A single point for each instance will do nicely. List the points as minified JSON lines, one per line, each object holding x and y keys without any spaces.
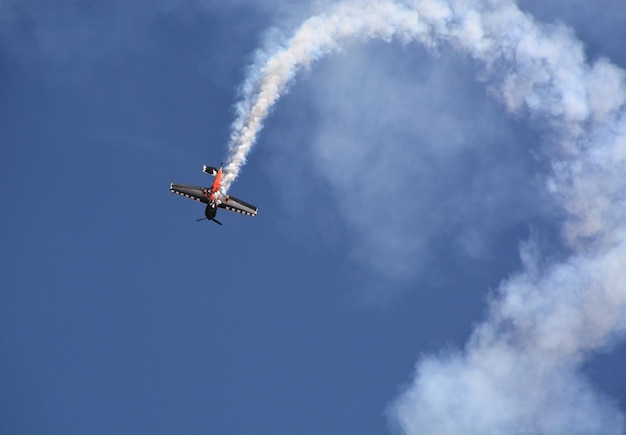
{"x":393,"y":195}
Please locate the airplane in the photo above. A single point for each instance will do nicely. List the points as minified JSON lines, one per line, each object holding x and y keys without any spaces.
{"x":210,"y":196}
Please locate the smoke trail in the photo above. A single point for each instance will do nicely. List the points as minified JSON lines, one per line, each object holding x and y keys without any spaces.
{"x":317,"y":36}
{"x":519,"y":372}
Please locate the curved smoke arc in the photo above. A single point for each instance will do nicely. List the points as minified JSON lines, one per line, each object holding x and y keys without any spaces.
{"x":519,"y":372}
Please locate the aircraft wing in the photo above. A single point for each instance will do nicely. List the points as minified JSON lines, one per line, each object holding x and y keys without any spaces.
{"x":200,"y":194}
{"x":233,"y":204}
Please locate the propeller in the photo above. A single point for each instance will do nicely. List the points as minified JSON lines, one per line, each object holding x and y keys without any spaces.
{"x":205,"y":219}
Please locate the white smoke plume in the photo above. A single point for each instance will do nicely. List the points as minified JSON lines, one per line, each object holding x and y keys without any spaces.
{"x":520,"y":370}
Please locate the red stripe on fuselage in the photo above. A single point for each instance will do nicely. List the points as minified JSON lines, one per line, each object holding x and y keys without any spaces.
{"x":216,"y":184}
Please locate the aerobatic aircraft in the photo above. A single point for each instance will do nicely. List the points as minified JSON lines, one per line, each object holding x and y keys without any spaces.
{"x":210,"y":197}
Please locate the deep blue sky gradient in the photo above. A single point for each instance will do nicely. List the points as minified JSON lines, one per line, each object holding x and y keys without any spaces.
{"x":120,"y":314}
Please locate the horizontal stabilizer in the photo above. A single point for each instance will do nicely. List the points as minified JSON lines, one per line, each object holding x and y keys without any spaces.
{"x":209,"y":170}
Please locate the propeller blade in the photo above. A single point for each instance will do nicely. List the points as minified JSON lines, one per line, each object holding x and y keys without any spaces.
{"x":205,"y":219}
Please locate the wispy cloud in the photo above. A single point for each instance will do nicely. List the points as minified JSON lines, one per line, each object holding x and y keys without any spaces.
{"x":519,"y":372}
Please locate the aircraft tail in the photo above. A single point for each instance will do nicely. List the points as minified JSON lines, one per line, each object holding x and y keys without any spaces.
{"x":209,"y":170}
